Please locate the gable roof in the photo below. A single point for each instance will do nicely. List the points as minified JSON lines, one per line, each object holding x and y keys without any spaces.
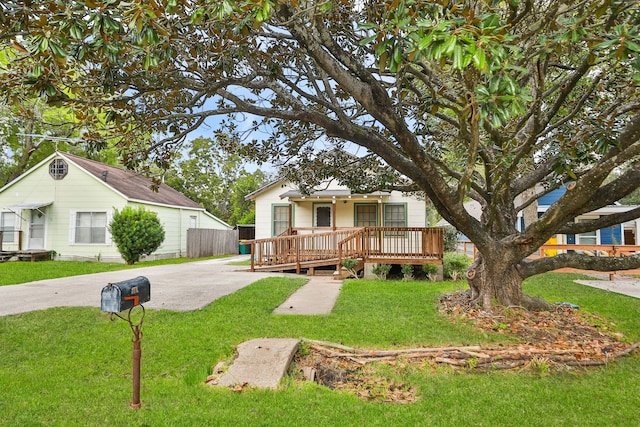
{"x":267,"y":186}
{"x":133,"y":186}
{"x":329,"y":192}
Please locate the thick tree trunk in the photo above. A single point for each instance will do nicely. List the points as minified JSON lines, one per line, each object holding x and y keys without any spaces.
{"x":496,"y":280}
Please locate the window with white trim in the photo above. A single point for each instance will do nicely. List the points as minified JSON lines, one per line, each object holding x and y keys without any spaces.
{"x":280,"y":219}
{"x":8,"y":227}
{"x":90,"y":228}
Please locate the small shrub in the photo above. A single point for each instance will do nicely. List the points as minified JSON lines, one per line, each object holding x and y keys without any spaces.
{"x":407,"y":271}
{"x":350,"y":265}
{"x":381,"y":271}
{"x":455,"y":265}
{"x":136,"y":232}
{"x":450,"y":235}
{"x":431,"y":270}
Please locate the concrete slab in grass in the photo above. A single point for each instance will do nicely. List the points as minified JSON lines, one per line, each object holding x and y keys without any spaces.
{"x":261,"y":362}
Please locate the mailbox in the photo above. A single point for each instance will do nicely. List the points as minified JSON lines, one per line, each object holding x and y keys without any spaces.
{"x":124,"y":295}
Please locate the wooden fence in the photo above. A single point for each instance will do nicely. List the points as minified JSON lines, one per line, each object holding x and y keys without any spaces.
{"x":204,"y":242}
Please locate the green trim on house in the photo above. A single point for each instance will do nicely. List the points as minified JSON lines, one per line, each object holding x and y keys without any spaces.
{"x":290,"y":209}
{"x":384,"y":212}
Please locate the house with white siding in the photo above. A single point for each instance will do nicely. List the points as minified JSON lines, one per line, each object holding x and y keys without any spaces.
{"x":281,"y":206}
{"x":65,"y":203}
{"x":296,"y":231}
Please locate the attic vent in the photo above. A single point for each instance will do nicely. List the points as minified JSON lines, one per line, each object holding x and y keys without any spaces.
{"x":58,"y":169}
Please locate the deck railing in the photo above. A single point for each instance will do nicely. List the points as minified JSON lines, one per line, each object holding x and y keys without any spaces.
{"x":297,"y":248}
{"x":381,"y":244}
{"x":406,"y":243}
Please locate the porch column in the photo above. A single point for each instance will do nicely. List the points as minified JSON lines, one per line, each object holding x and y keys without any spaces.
{"x":333,"y":213}
{"x":290,"y":216}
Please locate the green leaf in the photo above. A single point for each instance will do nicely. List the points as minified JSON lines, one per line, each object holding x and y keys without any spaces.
{"x":44,"y":44}
{"x":368,"y":40}
{"x":425,"y":41}
{"x":397,"y":54}
{"x":450,"y":45}
{"x":480,"y":60}
{"x":58,"y":50}
{"x":458,"y":57}
{"x":632,"y":45}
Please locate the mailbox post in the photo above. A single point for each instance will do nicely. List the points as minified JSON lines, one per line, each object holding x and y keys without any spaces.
{"x":126,"y":295}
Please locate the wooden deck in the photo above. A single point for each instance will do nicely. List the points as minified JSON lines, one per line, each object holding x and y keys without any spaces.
{"x":34,"y":255}
{"x":380,"y":245}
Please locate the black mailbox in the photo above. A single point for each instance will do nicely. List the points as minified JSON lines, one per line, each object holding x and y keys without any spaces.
{"x":120,"y":296}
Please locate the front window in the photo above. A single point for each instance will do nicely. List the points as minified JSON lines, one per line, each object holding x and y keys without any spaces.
{"x":395,"y":216}
{"x":91,"y":227}
{"x":366,"y":215}
{"x":8,"y":227}
{"x":280,"y":219}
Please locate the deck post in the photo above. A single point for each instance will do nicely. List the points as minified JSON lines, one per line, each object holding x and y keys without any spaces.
{"x":253,"y":266}
{"x":296,"y":242}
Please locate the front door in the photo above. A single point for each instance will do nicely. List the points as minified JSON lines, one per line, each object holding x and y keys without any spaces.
{"x":322,"y":215}
{"x":36,"y":229}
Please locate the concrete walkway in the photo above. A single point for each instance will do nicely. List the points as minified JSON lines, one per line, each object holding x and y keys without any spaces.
{"x":318,"y":296}
{"x":626,"y":285}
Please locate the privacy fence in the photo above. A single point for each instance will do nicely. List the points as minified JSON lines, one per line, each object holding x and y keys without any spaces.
{"x":204,"y":242}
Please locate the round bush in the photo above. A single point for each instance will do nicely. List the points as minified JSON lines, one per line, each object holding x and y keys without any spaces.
{"x":136,"y":232}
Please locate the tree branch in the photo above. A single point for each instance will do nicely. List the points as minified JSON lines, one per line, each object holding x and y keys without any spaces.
{"x":528,"y":268}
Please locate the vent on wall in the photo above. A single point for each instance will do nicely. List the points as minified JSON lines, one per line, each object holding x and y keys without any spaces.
{"x":58,"y":168}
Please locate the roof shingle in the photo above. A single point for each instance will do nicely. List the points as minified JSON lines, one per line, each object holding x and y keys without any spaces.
{"x":131,"y":184}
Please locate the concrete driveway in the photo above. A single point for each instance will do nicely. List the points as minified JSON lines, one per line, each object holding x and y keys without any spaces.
{"x":179,"y":287}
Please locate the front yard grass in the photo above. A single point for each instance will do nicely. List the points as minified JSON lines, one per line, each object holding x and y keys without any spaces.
{"x":72,"y":366}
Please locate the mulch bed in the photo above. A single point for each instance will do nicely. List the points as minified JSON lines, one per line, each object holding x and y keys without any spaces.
{"x":547,"y":340}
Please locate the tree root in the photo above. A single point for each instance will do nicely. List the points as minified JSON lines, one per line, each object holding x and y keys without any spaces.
{"x":474,"y":357}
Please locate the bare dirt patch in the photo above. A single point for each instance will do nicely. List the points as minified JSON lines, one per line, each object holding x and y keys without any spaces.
{"x":546,"y":340}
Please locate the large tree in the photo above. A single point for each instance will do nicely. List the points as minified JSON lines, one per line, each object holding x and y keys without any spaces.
{"x":500,"y":101}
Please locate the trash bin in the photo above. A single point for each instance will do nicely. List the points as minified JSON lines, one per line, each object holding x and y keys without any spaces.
{"x":245,"y":248}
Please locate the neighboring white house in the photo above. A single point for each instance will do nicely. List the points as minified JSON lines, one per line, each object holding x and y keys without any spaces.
{"x":65,"y":203}
{"x":281,"y":206}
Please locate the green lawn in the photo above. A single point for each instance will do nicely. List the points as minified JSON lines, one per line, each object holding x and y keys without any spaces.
{"x":71,"y":366}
